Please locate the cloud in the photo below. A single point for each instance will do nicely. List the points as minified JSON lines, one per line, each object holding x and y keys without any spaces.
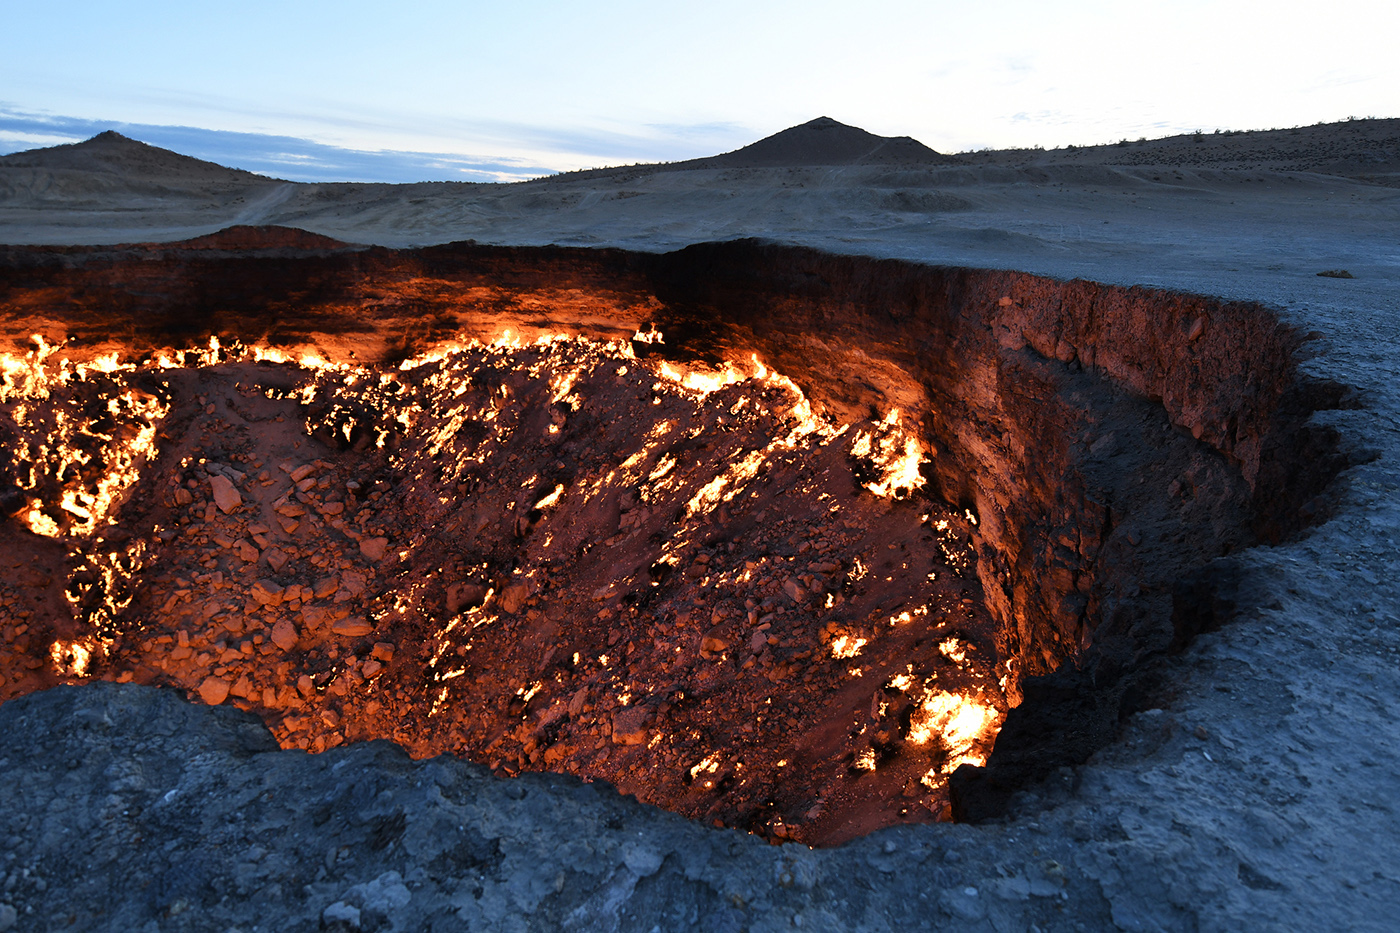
{"x":286,"y":157}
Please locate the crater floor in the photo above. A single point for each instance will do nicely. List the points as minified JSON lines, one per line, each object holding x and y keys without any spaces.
{"x":548,"y":556}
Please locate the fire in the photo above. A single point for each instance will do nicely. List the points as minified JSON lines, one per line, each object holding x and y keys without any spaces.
{"x":459,"y":424}
{"x":963,"y":725}
{"x":953,"y":650}
{"x":894,"y":455}
{"x":71,"y":658}
{"x":847,"y":646}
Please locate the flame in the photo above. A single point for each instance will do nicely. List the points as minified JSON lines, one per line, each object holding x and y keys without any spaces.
{"x":550,"y":499}
{"x":963,"y":725}
{"x":269,"y":355}
{"x":953,"y":650}
{"x":847,"y":646}
{"x":71,"y":658}
{"x":896,"y":456}
{"x":58,"y":441}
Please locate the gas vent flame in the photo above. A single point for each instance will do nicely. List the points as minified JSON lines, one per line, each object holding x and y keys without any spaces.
{"x":892,"y":455}
{"x":963,"y":726}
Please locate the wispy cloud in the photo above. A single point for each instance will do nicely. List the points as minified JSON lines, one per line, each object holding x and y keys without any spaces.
{"x":277,"y":156}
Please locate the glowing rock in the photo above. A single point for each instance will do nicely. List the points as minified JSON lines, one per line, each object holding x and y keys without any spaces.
{"x":225,"y":496}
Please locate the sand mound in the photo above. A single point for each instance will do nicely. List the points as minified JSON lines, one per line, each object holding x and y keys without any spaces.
{"x":245,"y":237}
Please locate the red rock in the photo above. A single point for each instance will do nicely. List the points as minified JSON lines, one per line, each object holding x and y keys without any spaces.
{"x":214,"y":690}
{"x":284,"y":635}
{"x":352,"y":628}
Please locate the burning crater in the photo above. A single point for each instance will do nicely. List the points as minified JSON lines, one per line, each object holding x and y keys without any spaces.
{"x":803,"y":544}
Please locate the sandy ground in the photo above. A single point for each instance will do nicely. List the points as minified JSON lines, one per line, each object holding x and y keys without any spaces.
{"x":1265,"y":796}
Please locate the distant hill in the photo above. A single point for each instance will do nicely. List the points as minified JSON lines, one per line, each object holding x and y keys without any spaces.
{"x":824,"y":141}
{"x":246,"y":238}
{"x":115,"y":154}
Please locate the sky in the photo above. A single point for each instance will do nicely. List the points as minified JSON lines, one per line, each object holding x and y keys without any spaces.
{"x":415,"y":91}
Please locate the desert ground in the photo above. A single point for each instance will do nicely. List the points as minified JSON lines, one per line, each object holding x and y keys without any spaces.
{"x":1262,"y":795}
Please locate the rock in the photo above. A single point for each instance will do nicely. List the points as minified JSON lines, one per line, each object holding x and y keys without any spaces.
{"x":305,"y":685}
{"x":326,"y":587}
{"x":964,"y":904}
{"x":302,"y":472}
{"x":462,"y":596}
{"x":225,"y":496}
{"x":248,"y":552}
{"x":1336,"y":274}
{"x":629,"y":725}
{"x":183,"y":496}
{"x":214,"y":690}
{"x":382,"y":897}
{"x":642,"y":858}
{"x":712,"y":644}
{"x":267,"y":593}
{"x":341,"y":912}
{"x":276,"y":558}
{"x":794,"y":590}
{"x":513,"y":598}
{"x":284,"y":635}
{"x":383,"y":651}
{"x":758,"y":642}
{"x":333,"y":508}
{"x":370,"y":669}
{"x":314,"y":616}
{"x":374,"y":548}
{"x":352,"y":628}
{"x":8,"y":917}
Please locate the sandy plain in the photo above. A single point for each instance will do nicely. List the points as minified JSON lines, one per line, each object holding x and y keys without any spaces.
{"x":1265,"y":797}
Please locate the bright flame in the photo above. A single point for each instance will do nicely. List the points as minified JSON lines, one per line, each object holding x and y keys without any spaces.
{"x":71,"y":658}
{"x":962,"y":724}
{"x":847,"y":646}
{"x":552,"y":498}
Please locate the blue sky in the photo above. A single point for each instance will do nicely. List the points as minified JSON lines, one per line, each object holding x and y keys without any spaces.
{"x":471,"y":91}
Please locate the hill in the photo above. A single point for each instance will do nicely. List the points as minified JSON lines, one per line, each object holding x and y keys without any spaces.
{"x":111,"y":153}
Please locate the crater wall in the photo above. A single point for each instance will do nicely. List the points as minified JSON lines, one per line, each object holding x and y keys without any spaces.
{"x":1108,"y":443}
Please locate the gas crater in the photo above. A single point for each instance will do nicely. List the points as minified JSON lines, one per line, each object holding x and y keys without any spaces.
{"x":798,"y":543}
